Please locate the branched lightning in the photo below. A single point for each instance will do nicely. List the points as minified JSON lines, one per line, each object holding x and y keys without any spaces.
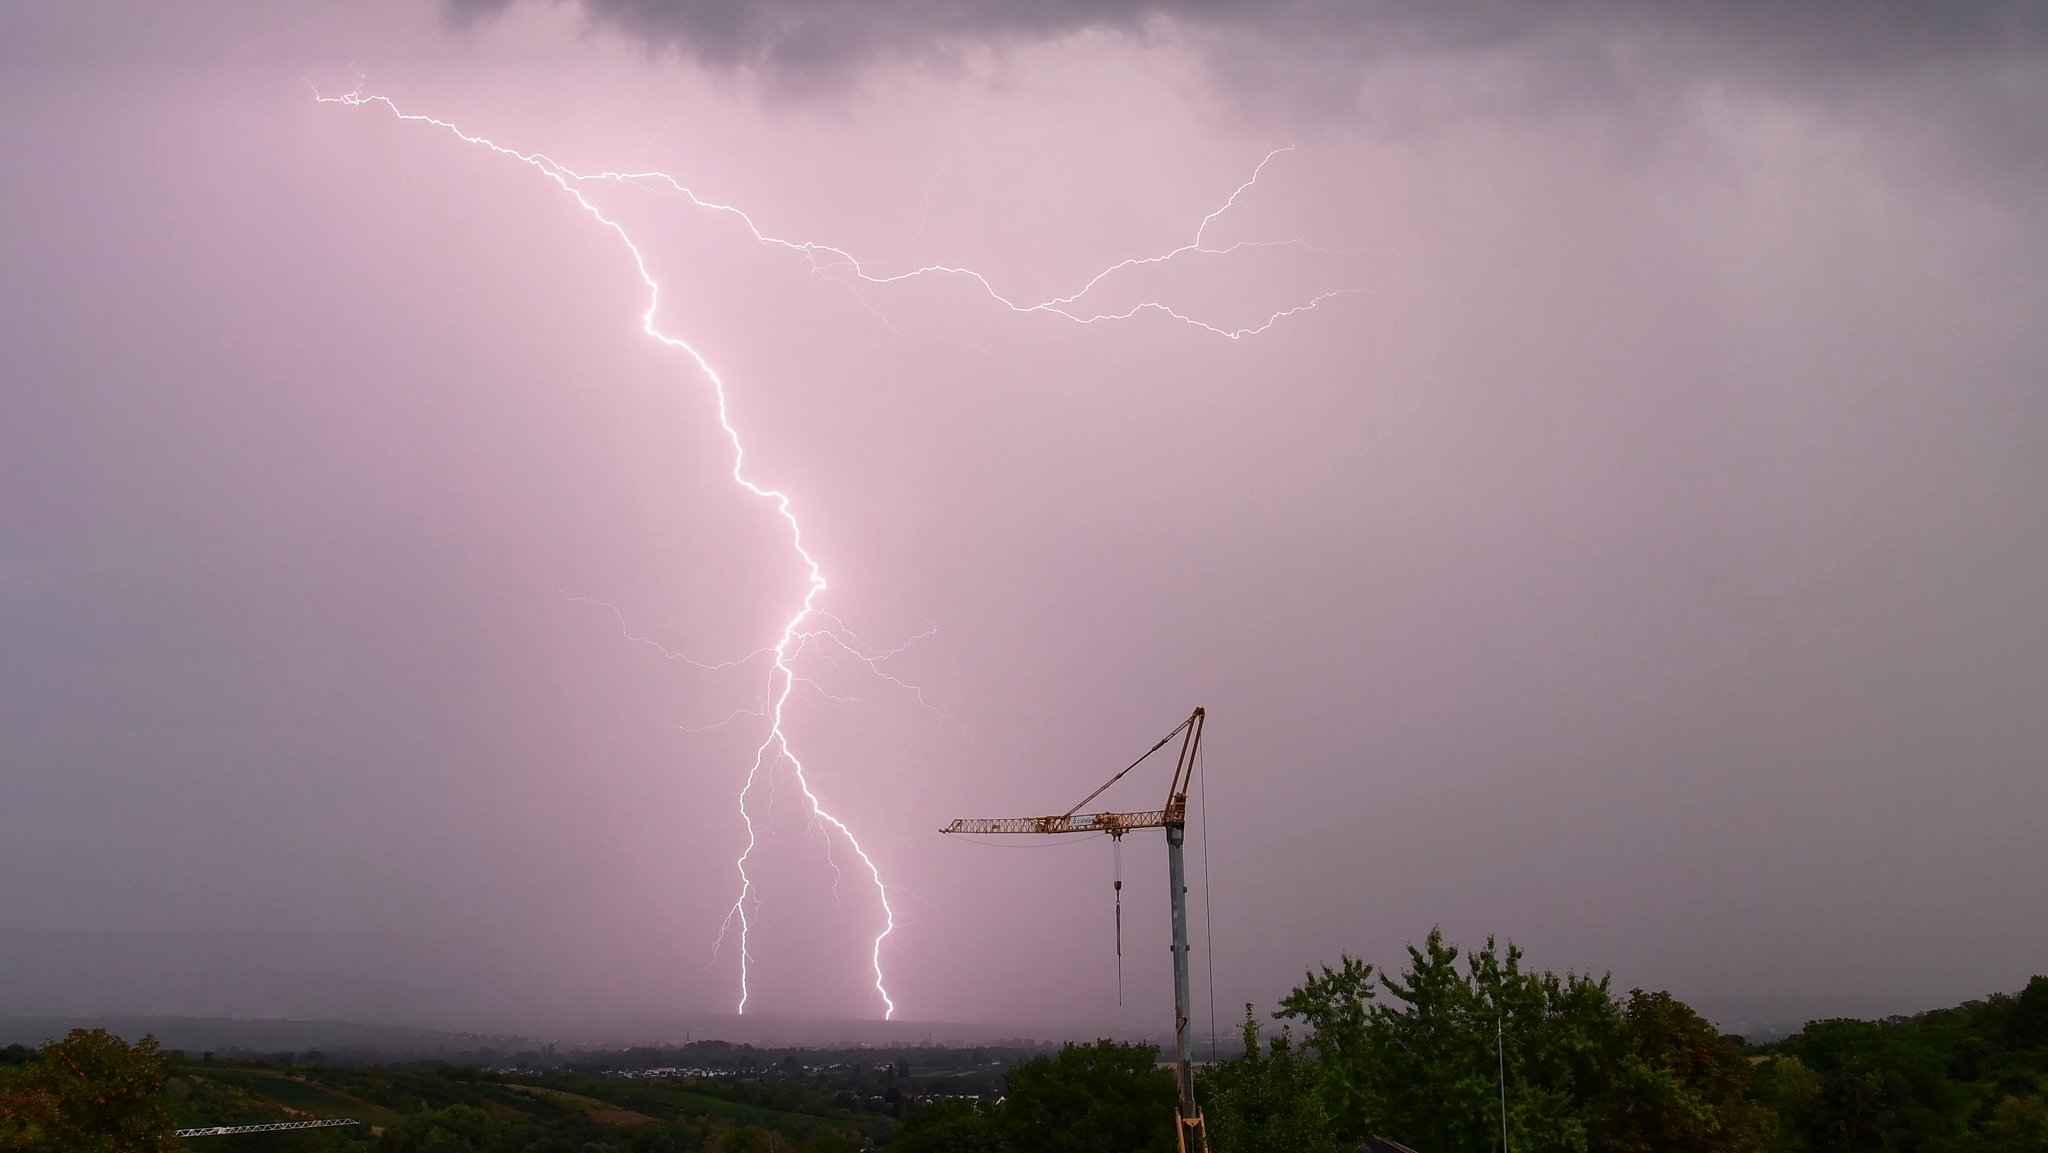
{"x":809,"y":624}
{"x":729,"y":718}
{"x":626,"y":632}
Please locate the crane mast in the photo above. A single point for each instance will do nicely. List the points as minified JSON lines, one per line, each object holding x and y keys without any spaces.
{"x":1173,"y":818}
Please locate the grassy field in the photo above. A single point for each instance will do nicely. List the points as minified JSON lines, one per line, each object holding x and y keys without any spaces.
{"x":602,"y":1112}
{"x":233,"y":1093}
{"x":303,"y":1099}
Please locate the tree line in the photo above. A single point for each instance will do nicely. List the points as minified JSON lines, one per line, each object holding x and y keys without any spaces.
{"x":1461,"y":1050}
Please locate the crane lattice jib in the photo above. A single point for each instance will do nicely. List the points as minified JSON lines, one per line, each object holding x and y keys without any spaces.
{"x":276,"y":1127}
{"x":1191,"y":1132}
{"x":1115,"y":824}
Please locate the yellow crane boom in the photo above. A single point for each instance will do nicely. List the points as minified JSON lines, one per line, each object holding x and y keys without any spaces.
{"x":1115,"y":824}
{"x":1173,"y":818}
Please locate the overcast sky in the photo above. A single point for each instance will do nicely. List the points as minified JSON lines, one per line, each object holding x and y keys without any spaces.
{"x":1639,"y":557}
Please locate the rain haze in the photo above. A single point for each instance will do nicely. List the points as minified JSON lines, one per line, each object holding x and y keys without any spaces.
{"x":1592,"y":476}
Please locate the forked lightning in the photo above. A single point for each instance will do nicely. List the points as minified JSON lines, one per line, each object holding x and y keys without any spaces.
{"x":800,"y":629}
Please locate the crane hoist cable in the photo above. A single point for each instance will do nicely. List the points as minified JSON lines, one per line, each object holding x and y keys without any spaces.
{"x":1116,"y":857}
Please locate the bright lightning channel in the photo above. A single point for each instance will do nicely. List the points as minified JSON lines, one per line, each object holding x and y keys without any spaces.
{"x":828,"y":259}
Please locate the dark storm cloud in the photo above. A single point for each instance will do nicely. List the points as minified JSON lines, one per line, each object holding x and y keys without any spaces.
{"x":1961,"y":83}
{"x":1827,"y":35}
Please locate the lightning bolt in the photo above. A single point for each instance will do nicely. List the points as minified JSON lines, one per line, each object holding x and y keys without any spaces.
{"x":800,"y":629}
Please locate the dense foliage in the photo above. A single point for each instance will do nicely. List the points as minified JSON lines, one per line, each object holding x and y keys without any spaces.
{"x":1447,"y":1055}
{"x":1972,"y":1079}
{"x":1101,"y":1098}
{"x":1452,"y":1053}
{"x":950,"y":1125}
{"x":94,"y":1093}
{"x":89,"y":1093}
{"x":1435,"y":1056}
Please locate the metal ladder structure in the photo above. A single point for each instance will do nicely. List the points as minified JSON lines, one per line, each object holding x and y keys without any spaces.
{"x":277,"y":1127}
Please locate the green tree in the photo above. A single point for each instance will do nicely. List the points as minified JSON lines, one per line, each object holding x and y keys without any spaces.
{"x":954,"y":1125}
{"x":1101,"y":1098}
{"x":1680,"y":1085}
{"x":2018,"y":1125}
{"x":1335,"y":1006}
{"x":2027,"y":1024}
{"x":844,"y":1142}
{"x":749,"y":1139}
{"x":1433,"y":1074}
{"x":1876,"y":1087}
{"x":89,"y":1093}
{"x":1555,"y":1041}
{"x":455,"y":1129}
{"x":28,"y":1115}
{"x":1268,"y":1102}
{"x":1459,"y":1039}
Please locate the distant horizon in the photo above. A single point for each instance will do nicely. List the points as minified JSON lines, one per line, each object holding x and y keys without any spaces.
{"x":1776,"y":1015}
{"x":75,"y":969}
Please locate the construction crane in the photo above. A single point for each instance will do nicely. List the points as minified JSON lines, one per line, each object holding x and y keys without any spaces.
{"x":275,"y":1127}
{"x":1188,"y":1126}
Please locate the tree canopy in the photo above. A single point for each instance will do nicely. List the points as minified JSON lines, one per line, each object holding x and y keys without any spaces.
{"x":1457,"y":1048}
{"x":92,"y":1092}
{"x":1101,"y":1098}
{"x":1452,"y":1052}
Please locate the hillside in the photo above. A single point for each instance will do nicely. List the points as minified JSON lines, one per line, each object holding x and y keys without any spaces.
{"x":407,"y":1109}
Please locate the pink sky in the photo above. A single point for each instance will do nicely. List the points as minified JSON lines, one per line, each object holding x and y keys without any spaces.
{"x":1642,"y":563}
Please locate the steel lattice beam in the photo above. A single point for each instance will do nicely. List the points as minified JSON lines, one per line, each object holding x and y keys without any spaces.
{"x":1113,"y":823}
{"x":278,"y":1127}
